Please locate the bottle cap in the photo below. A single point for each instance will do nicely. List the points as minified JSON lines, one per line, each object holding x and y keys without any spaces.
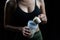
{"x":37,"y":20}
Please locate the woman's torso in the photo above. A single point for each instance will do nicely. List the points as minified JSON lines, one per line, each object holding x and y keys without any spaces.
{"x":21,"y":16}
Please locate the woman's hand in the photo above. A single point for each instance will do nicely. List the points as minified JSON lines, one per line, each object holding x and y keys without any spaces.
{"x":43,"y":18}
{"x":26,"y":32}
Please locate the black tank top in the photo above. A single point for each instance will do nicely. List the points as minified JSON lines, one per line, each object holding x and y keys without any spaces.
{"x":20,"y":18}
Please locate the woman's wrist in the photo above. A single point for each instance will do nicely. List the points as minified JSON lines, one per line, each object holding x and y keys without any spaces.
{"x":20,"y":29}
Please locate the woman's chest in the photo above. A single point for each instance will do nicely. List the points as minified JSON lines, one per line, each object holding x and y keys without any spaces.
{"x":29,"y":6}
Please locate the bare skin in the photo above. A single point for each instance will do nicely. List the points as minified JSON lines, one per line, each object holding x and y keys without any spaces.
{"x":26,"y":6}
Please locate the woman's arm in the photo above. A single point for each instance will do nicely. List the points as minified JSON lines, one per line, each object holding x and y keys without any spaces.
{"x":42,"y":6}
{"x":8,"y":10}
{"x":43,"y":16}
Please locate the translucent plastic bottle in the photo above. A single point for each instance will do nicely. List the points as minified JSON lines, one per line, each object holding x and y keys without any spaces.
{"x":33,"y":25}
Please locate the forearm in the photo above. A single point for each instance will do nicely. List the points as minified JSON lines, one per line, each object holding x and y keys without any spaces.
{"x":13,"y":27}
{"x":42,"y":16}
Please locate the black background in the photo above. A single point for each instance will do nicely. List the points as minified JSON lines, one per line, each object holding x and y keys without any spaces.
{"x":48,"y":30}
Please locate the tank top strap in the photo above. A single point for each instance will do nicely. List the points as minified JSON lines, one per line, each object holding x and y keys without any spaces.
{"x":35,"y":4}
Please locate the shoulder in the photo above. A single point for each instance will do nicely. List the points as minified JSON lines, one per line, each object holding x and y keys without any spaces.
{"x":42,"y":2}
{"x":39,"y":2}
{"x":10,"y":3}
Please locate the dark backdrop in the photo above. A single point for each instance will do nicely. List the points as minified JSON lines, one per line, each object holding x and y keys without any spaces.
{"x":48,"y":30}
{"x":1,"y":19}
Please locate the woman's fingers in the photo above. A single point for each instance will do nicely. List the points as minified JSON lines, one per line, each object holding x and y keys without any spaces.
{"x":43,"y":17}
{"x":26,"y":31}
{"x":24,"y":34}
